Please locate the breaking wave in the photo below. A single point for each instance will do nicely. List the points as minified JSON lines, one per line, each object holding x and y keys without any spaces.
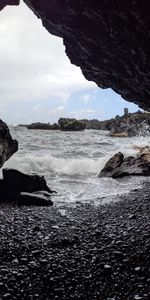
{"x":49,"y":163}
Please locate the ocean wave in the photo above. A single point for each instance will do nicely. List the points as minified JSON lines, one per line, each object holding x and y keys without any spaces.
{"x":48,"y":163}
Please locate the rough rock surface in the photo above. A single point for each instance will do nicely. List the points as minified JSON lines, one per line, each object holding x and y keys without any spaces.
{"x":8,"y":146}
{"x":91,"y":253}
{"x":132,"y":124}
{"x":113,"y":163}
{"x":118,"y":166}
{"x":67,"y":124}
{"x":43,"y":126}
{"x":3,"y":3}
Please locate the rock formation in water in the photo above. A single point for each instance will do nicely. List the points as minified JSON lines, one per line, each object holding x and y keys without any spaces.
{"x":130,"y":124}
{"x":8,"y":146}
{"x":118,"y":166}
{"x":67,"y":124}
{"x":43,"y":126}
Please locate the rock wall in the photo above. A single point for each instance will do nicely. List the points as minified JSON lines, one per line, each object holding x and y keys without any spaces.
{"x":108,"y":40}
{"x":8,"y":146}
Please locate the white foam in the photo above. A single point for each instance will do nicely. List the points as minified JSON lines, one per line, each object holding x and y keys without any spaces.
{"x":49,"y":163}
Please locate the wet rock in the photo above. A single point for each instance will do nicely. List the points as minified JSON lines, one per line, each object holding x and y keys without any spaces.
{"x":118,"y":166}
{"x":15,"y":182}
{"x":120,"y":134}
{"x":8,"y":146}
{"x":23,"y":182}
{"x":67,"y":124}
{"x":34,"y":199}
{"x":113,"y":163}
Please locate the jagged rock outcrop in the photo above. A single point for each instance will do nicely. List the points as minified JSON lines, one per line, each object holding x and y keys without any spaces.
{"x":118,"y":166}
{"x":67,"y":124}
{"x":8,"y":146}
{"x":43,"y":126}
{"x":130,"y":124}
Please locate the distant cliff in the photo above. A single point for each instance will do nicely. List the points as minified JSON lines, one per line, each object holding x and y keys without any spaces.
{"x":43,"y":126}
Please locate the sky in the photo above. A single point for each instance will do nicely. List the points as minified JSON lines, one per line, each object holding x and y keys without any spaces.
{"x":37,"y":80}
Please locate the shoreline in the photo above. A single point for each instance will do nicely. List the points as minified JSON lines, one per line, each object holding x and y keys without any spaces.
{"x":93,"y":252}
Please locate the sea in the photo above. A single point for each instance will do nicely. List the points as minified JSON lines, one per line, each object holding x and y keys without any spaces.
{"x":71,"y":162}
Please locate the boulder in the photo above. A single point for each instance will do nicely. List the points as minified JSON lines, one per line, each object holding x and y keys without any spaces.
{"x":15,"y":182}
{"x":113,"y":163}
{"x":137,"y":166}
{"x":67,"y":124}
{"x":8,"y":146}
{"x":118,"y":166}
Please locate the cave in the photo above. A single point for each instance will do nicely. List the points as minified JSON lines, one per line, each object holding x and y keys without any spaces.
{"x":86,"y":250}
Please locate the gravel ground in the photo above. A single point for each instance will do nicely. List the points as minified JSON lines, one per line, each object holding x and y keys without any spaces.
{"x":91,"y":252}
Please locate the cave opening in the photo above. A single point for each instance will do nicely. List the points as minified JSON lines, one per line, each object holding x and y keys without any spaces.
{"x":94,"y":242}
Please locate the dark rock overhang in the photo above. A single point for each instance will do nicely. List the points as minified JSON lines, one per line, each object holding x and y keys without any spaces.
{"x":3,"y":3}
{"x":108,"y":39}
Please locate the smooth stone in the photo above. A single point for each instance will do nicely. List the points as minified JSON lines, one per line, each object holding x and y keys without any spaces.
{"x":23,"y":182}
{"x":15,"y":182}
{"x":34,"y":199}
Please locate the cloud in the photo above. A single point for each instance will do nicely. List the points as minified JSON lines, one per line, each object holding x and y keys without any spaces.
{"x":37,"y":107}
{"x":33,"y":63}
{"x":86,"y":98}
{"x":87,"y":114}
{"x":60,"y":108}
